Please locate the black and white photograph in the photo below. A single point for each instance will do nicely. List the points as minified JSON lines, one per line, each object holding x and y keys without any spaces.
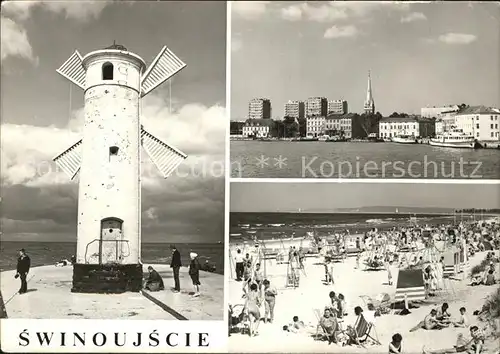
{"x":364,"y":267}
{"x":346,"y":89}
{"x":113,"y":160}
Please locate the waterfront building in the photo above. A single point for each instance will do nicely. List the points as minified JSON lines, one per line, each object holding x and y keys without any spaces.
{"x":412,"y":126}
{"x":236,"y":127}
{"x":348,"y":125}
{"x":316,"y":126}
{"x":439,"y":126}
{"x":295,"y":109}
{"x":448,"y":119}
{"x":259,"y":108}
{"x":480,"y":121}
{"x":337,"y":107}
{"x":316,"y":106}
{"x":369,"y":106}
{"x":259,"y":128}
{"x":436,"y":112}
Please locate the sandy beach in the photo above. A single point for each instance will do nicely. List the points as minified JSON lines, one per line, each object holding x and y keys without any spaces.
{"x":352,"y":283}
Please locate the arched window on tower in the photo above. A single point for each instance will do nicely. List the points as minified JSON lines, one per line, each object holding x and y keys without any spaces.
{"x":107,"y":71}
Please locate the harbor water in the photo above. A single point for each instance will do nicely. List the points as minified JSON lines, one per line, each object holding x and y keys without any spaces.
{"x":315,"y":159}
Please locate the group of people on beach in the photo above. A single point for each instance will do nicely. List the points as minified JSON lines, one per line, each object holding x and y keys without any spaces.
{"x":410,"y":247}
{"x":154,"y":281}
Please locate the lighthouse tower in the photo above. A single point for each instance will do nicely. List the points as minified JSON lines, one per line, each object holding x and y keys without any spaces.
{"x":114,"y":80}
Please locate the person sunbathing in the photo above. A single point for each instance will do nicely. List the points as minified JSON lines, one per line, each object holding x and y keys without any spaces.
{"x":430,"y":322}
{"x":296,"y":325}
{"x":473,"y":346}
{"x":329,"y":324}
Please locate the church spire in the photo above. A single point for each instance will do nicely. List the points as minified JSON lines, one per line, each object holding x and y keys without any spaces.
{"x":369,"y":102}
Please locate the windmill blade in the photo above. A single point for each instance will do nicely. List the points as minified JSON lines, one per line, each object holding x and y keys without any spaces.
{"x":73,"y":70}
{"x":165,"y":65}
{"x":70,"y":160}
{"x":166,"y":158}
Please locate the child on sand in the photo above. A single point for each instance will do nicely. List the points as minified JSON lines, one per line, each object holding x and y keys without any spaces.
{"x":395,"y":344}
{"x":463,"y":321}
{"x":194,"y":273}
{"x":443,"y":315}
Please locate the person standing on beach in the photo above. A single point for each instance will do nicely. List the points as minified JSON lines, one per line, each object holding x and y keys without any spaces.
{"x":270,"y":294}
{"x":388,"y":268}
{"x":176,"y":264}
{"x":258,"y":277}
{"x":194,"y":273}
{"x":248,"y":263}
{"x":23,"y":268}
{"x":240,"y":267}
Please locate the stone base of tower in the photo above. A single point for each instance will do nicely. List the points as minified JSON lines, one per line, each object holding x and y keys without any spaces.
{"x":107,"y":278}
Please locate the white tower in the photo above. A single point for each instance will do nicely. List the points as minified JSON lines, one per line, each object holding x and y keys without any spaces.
{"x":114,"y":80}
{"x":369,"y":102}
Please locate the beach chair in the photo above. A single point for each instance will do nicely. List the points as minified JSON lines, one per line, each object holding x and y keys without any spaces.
{"x":321,"y":334}
{"x":381,"y":304}
{"x":320,"y":331}
{"x":239,"y":320}
{"x":361,"y":332}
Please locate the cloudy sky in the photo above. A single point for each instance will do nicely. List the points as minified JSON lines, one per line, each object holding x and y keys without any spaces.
{"x":326,"y":197}
{"x":418,"y":54}
{"x":39,"y":121}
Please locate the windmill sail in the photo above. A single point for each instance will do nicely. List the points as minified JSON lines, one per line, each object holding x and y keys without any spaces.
{"x":73,"y":70}
{"x":165,"y":65}
{"x":70,"y":160}
{"x":166,"y":158}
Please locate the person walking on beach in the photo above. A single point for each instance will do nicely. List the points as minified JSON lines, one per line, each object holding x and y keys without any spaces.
{"x":301,"y":257}
{"x":252,"y":305}
{"x":270,"y":293}
{"x":23,"y":268}
{"x":194,"y":273}
{"x":176,"y":264}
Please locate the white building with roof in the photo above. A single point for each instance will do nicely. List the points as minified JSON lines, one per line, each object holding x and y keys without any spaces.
{"x":480,"y":121}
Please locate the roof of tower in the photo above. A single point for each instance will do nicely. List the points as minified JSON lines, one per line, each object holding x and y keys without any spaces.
{"x":116,"y":46}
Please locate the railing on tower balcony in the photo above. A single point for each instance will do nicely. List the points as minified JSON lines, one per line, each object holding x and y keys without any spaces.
{"x":119,"y":252}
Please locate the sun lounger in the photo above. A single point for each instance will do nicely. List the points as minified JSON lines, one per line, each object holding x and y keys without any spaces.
{"x":382,"y":304}
{"x":339,"y":257}
{"x":320,"y":331}
{"x":361,"y":332}
{"x":239,"y":320}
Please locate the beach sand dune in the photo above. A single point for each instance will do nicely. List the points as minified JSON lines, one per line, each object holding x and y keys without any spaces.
{"x":352,"y":283}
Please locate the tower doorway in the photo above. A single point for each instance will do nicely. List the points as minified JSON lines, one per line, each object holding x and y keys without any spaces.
{"x":110,"y":241}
